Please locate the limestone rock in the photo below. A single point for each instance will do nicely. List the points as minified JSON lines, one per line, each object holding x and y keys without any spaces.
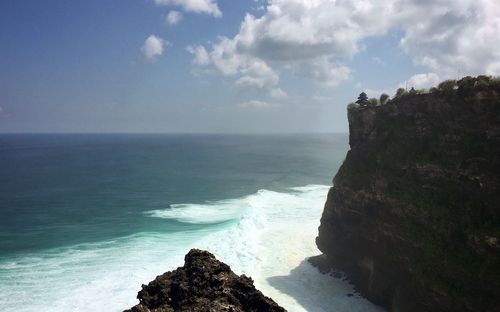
{"x":414,"y":214}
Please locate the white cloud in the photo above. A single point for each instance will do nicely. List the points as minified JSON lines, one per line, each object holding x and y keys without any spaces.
{"x":322,"y":98}
{"x":302,"y":34}
{"x":421,"y":81}
{"x":225,"y":57}
{"x":153,"y":47}
{"x":325,"y":71}
{"x":196,"y":6}
{"x":313,"y":37}
{"x":200,"y":54}
{"x":378,"y":60}
{"x":251,"y":72}
{"x":173,"y":17}
{"x":277,"y":93}
{"x":257,"y":74}
{"x":255,"y":104}
{"x":305,"y":29}
{"x":453,"y":37}
{"x":371,"y":93}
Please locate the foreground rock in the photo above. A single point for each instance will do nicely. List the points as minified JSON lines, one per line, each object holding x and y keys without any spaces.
{"x":202,"y":284}
{"x":414,"y":214}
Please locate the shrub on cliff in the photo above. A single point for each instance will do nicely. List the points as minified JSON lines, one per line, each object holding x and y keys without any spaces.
{"x":447,"y":86}
{"x":362,"y":99}
{"x":481,"y":86}
{"x":384,"y":98}
{"x":400,"y":92}
{"x":495,"y":83}
{"x":466,"y":85}
{"x":352,"y":105}
{"x":372,"y":102}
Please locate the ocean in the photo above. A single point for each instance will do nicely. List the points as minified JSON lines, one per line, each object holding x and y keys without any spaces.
{"x":87,"y":218}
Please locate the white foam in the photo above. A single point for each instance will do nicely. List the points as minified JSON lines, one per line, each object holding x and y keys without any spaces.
{"x":272,"y":235}
{"x":209,"y":213}
{"x":272,"y":242}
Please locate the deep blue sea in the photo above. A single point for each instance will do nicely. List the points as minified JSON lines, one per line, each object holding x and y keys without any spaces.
{"x":86,"y":219}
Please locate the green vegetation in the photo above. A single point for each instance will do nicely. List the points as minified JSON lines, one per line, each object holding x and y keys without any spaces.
{"x":399,"y":93}
{"x":362,"y":99}
{"x":372,"y":102}
{"x":482,"y":86}
{"x":352,"y":105}
{"x":447,"y":86}
{"x":383,"y":98}
{"x":425,"y":164}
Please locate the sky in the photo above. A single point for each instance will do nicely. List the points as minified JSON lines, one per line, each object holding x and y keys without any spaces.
{"x":227,"y":66}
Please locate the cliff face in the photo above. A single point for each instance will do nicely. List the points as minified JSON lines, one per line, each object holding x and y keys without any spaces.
{"x":414,"y":214}
{"x":202,"y":284}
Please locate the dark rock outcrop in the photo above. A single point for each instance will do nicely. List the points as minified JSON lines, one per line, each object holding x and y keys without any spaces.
{"x":413,"y":218}
{"x":202,"y":284}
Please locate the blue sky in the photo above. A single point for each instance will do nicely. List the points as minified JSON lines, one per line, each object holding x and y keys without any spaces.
{"x":289,"y":66}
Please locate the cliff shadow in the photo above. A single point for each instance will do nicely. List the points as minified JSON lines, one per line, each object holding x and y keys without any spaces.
{"x":319,"y":292}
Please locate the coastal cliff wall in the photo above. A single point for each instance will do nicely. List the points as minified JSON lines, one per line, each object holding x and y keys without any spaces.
{"x":413,"y":217}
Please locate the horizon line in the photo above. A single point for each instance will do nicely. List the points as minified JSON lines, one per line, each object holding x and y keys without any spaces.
{"x":177,"y":133}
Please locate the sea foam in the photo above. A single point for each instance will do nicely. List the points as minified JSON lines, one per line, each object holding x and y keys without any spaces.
{"x":267,"y":235}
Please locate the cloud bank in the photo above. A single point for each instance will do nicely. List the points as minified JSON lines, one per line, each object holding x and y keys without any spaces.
{"x":316,"y":37}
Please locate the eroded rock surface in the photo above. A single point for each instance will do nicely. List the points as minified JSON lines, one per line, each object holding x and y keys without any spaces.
{"x":202,"y":284}
{"x":414,"y":214}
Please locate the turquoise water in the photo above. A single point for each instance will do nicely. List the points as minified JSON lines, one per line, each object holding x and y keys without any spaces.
{"x":87,"y":218}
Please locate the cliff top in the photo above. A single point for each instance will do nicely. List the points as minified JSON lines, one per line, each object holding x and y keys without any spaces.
{"x":480,"y":87}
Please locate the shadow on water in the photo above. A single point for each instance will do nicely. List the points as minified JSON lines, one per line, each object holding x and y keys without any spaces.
{"x":317,"y":292}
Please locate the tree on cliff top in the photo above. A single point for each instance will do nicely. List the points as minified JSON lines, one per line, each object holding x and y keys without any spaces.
{"x":466,"y":85}
{"x":383,"y":98}
{"x":400,"y":92}
{"x":447,"y":85}
{"x":362,"y":99}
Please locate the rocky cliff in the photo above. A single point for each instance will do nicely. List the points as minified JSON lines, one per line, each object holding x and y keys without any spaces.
{"x":203,"y":284}
{"x":414,"y":214}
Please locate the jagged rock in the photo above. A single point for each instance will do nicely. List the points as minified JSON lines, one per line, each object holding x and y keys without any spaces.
{"x":203,"y":284}
{"x":413,"y":218}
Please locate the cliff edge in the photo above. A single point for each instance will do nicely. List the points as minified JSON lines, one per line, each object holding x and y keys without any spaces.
{"x":413,"y":217}
{"x":202,"y":284}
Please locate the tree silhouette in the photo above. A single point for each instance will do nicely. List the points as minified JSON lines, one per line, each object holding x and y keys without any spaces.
{"x":466,"y":85}
{"x":362,"y":99}
{"x":447,"y":86}
{"x":400,"y":92}
{"x":383,"y":98}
